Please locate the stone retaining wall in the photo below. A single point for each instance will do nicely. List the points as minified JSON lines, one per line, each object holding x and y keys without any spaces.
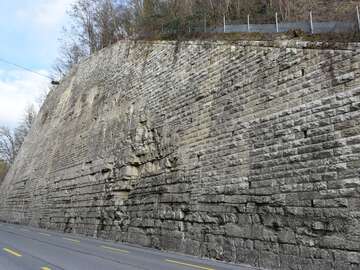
{"x":246,"y":152}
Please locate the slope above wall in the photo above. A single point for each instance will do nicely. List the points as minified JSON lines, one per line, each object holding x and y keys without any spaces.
{"x":247,"y":152}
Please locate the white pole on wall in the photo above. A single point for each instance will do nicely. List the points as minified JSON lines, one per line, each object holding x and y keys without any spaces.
{"x":248,"y":22}
{"x":277,"y":23}
{"x":311,"y":23}
{"x":224,"y":23}
{"x":358,"y":16}
{"x":205,"y":24}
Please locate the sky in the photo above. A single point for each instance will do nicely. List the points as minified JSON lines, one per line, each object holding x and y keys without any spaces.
{"x":29,"y":36}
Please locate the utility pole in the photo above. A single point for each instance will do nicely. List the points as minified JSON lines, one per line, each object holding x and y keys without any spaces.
{"x":311,"y":23}
{"x":277,"y":23}
{"x":248,"y":22}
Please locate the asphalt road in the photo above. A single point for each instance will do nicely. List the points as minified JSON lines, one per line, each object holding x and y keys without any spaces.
{"x":27,"y":248}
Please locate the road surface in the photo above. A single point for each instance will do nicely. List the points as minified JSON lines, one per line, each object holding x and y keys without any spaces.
{"x":27,"y":248}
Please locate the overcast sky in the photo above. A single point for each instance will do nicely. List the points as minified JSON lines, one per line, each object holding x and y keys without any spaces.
{"x":29,"y":32}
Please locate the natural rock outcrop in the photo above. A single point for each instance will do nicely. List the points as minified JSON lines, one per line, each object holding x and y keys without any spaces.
{"x":247,"y":152}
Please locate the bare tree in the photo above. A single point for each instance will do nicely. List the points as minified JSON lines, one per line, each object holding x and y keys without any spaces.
{"x":3,"y":170}
{"x":24,"y":127}
{"x":70,"y":54}
{"x":96,"y":24}
{"x":8,"y":148}
{"x":11,"y":141}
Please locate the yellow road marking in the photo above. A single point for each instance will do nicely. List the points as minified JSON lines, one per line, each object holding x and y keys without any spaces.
{"x":45,"y":268}
{"x":72,"y":240}
{"x":12,"y":252}
{"x":115,"y":249}
{"x":190,"y":265}
{"x":44,"y":234}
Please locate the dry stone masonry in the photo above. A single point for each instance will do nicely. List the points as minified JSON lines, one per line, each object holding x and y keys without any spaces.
{"x":247,"y":152}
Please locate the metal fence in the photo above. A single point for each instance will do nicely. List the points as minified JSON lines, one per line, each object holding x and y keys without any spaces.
{"x":310,"y":26}
{"x":317,"y":27}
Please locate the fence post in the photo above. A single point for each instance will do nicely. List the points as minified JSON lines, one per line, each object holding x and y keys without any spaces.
{"x":311,"y":23}
{"x":248,"y":22}
{"x":224,"y":23}
{"x":277,"y":23}
{"x":205,"y":24}
{"x":358,"y":16}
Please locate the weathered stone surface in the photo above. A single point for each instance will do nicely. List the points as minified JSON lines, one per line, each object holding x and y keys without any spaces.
{"x":246,"y":152}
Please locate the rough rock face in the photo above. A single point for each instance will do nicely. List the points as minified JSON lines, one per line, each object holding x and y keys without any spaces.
{"x":246,"y":152}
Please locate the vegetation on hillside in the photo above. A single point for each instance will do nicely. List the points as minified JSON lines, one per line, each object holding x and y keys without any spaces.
{"x":96,"y":24}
